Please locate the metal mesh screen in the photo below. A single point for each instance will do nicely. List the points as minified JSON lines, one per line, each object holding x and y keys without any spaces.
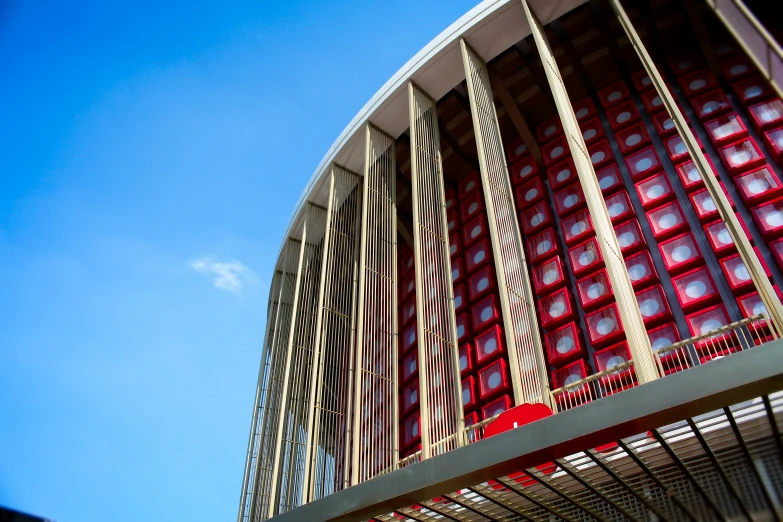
{"x":375,"y":406}
{"x":525,"y":351}
{"x":439,"y":381}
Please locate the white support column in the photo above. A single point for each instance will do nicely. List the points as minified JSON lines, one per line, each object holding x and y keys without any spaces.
{"x":440,"y":385}
{"x":749,"y":257}
{"x":526,"y":353}
{"x":635,"y":332}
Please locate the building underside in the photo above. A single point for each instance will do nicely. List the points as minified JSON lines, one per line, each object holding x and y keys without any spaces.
{"x":562,"y":203}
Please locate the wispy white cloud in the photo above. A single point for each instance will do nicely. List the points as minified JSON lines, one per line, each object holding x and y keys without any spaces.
{"x":229,"y":275}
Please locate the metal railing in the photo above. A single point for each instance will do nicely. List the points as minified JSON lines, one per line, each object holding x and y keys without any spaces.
{"x":475,"y":431}
{"x":721,"y":342}
{"x":760,"y":46}
{"x":602,"y":384}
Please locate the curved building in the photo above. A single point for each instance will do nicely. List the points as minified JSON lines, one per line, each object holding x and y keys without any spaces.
{"x":536,"y":278}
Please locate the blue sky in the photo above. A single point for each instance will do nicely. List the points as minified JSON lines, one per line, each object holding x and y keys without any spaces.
{"x":150,"y":155}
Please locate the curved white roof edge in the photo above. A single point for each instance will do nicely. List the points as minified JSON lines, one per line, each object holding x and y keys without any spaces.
{"x":492,"y":33}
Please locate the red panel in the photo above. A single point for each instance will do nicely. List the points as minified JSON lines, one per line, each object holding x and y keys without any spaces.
{"x":619,"y":207}
{"x":695,"y":289}
{"x":663,"y":337}
{"x":752,"y":305}
{"x":471,"y":419}
{"x":409,"y":338}
{"x":697,"y":82}
{"x":710,"y":104}
{"x":548,"y":276}
{"x":407,"y":286}
{"x":458,"y":273}
{"x":592,"y":130}
{"x":516,"y":150}
{"x":406,"y":263}
{"x":629,"y":236}
{"x":468,"y":185}
{"x":569,"y":200}
{"x":600,"y":154}
{"x":758,"y":186}
{"x":769,"y":218}
{"x":773,"y":139}
{"x":556,"y":309}
{"x":536,"y":218}
{"x":632,"y":138}
{"x":767,"y":114}
{"x":664,"y":124}
{"x":643,"y":164}
{"x":478,"y":255}
{"x":472,"y":206}
{"x":455,"y":245}
{"x":594,"y":290}
{"x":523,"y":170}
{"x":652,"y":102}
{"x":604,"y":326}
{"x":725,"y":129}
{"x":642,"y":80}
{"x":561,"y":174}
{"x":609,"y":358}
{"x":464,"y":331}
{"x":542,"y":246}
{"x":690,"y":177}
{"x":460,"y":298}
{"x":641,"y":270}
{"x":676,"y":149}
{"x":741,"y":156}
{"x":564,"y":345}
{"x":409,"y":367}
{"x":574,"y":372}
{"x":489,"y":346}
{"x":499,"y":405}
{"x":737,"y":274}
{"x":737,"y":67}
{"x":410,"y":397}
{"x":475,"y":230}
{"x":622,"y":115}
{"x":584,"y":109}
{"x":485,"y":313}
{"x":752,"y":90}
{"x":776,"y":247}
{"x":453,"y":222}
{"x":555,"y":150}
{"x":450,"y":199}
{"x":609,"y":179}
{"x":577,"y":228}
{"x":585,"y":258}
{"x":469,"y":394}
{"x":482,"y":283}
{"x":705,"y":207}
{"x":411,"y":434}
{"x":707,"y":321}
{"x":685,"y":62}
{"x":549,"y":129}
{"x":653,"y":306}
{"x":530,"y":193}
{"x":494,"y":380}
{"x":654,"y":191}
{"x":467,"y":361}
{"x":408,"y":311}
{"x":680,"y":253}
{"x":667,"y":221}
{"x":719,"y":237}
{"x":613,"y":94}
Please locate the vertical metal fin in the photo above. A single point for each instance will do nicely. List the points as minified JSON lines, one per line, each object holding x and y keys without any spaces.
{"x":328,"y":449}
{"x":375,"y":423}
{"x":440,"y":388}
{"x":635,"y":332}
{"x":526,"y":355}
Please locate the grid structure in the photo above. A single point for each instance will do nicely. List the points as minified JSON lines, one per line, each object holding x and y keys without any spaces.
{"x":375,"y":429}
{"x":519,"y":315}
{"x":328,"y":457}
{"x":441,"y":403}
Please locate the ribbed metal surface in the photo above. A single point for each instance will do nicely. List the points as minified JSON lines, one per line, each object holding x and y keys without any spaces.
{"x":439,"y":382}
{"x":375,"y":443}
{"x":724,"y":465}
{"x":329,"y":450}
{"x":519,"y":317}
